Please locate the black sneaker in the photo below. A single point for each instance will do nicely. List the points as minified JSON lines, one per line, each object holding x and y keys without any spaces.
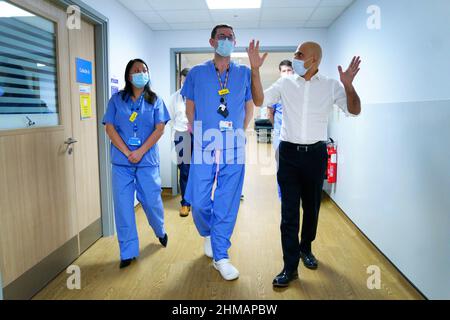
{"x":125,"y":263}
{"x":164,"y":240}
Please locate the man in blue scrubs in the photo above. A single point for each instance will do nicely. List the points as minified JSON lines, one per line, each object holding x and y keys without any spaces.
{"x":135,"y":121}
{"x":219,"y":106}
{"x":275,"y":112}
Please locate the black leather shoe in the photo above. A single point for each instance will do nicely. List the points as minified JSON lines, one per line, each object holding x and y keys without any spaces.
{"x":125,"y":263}
{"x":309,"y":260}
{"x":164,"y":240}
{"x":282,"y":280}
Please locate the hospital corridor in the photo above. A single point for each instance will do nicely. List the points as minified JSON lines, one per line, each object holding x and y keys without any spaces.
{"x":217,"y":157}
{"x":183,"y":272}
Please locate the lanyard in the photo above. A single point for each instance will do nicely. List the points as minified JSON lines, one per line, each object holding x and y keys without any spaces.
{"x":223,"y":85}
{"x":223,"y":92}
{"x":135,"y":112}
{"x":137,"y":107}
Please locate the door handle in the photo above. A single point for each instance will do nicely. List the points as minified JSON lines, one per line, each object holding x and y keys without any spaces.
{"x":70,"y":141}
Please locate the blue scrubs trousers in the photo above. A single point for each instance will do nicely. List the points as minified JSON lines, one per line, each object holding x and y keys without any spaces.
{"x":146,"y":181}
{"x":216,"y":218}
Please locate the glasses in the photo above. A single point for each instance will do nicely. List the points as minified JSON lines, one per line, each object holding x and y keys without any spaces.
{"x":225,"y":37}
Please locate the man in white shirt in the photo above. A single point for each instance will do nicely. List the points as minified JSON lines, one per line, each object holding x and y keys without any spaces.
{"x":308,"y":98}
{"x":182,"y":138}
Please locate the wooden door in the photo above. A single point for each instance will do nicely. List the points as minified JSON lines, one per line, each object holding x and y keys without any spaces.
{"x":49,"y":188}
{"x":87,"y":181}
{"x":37,"y":207}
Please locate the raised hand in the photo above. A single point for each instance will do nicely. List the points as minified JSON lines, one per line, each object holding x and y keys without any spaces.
{"x":256,"y":60}
{"x":349,"y":75}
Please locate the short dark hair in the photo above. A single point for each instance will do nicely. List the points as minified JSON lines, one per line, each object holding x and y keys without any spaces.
{"x":286,"y":63}
{"x":185,"y":72}
{"x":214,"y":31}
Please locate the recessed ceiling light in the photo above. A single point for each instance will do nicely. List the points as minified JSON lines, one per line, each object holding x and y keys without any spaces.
{"x":233,"y":4}
{"x":7,"y":11}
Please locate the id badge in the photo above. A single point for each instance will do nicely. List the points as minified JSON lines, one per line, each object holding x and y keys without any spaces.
{"x":134,"y":142}
{"x":133,"y":116}
{"x":224,"y":92}
{"x":223,"y":111}
{"x":226,"y":125}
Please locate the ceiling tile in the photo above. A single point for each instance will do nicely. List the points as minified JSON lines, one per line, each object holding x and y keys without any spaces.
{"x":318,"y":23}
{"x":136,"y":5}
{"x":159,"y":26}
{"x":245,"y":25}
{"x":178,"y":4}
{"x":280,"y":14}
{"x":289,"y":3}
{"x":235,"y":15}
{"x":327,"y":13}
{"x":149,"y":17}
{"x":336,"y":3}
{"x":195,"y":15}
{"x":183,"y":16}
{"x":192,"y":26}
{"x":282,"y":24}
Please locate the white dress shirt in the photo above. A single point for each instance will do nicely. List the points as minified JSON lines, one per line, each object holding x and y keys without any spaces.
{"x":306,"y":106}
{"x":177,"y":110}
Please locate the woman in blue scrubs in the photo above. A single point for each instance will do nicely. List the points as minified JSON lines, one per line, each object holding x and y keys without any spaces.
{"x":135,"y":121}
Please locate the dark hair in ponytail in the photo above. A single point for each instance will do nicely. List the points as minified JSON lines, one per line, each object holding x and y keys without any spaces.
{"x":149,"y":95}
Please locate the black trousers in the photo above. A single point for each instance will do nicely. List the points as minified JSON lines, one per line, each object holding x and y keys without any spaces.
{"x":184,"y":145}
{"x":300,"y":175}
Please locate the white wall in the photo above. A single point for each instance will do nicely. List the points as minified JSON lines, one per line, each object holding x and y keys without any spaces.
{"x":166,"y":40}
{"x":393,"y":177}
{"x":129,"y":38}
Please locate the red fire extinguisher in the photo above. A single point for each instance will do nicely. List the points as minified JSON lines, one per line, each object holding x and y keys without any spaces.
{"x":332,"y":162}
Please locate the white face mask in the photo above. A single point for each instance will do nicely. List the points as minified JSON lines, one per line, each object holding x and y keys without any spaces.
{"x":225,"y":48}
{"x":299,"y":67}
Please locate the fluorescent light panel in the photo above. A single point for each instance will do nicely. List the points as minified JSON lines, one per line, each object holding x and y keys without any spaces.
{"x":233,"y":4}
{"x":7,"y":11}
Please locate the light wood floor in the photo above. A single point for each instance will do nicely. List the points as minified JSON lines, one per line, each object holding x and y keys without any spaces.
{"x":181,"y":271}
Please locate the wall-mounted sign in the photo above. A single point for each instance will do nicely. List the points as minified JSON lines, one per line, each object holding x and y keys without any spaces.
{"x":85,"y":102}
{"x":114,"y":86}
{"x":84,"y":71}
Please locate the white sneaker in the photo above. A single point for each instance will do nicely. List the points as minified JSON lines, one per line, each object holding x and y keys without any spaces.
{"x":226,"y":269}
{"x":208,"y":247}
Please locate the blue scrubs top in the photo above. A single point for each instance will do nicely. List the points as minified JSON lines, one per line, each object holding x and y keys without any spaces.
{"x":277,"y":116}
{"x":202,"y":86}
{"x":149,"y":115}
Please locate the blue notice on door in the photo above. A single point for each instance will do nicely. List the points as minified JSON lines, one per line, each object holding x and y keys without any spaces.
{"x":84,"y":71}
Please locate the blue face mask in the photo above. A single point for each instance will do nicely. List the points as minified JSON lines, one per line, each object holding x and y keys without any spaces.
{"x":225,"y":48}
{"x":140,"y":80}
{"x":299,"y":67}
